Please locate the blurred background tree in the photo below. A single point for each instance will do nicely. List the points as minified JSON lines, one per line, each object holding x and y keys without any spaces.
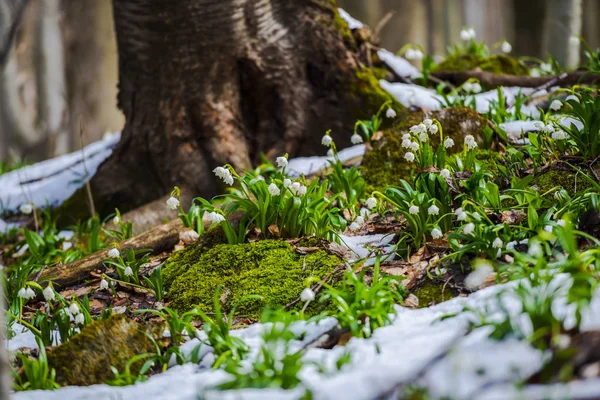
{"x":61,"y":67}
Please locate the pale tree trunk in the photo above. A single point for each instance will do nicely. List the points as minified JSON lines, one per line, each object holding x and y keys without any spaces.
{"x":563,"y":20}
{"x":5,"y":382}
{"x":209,"y":82}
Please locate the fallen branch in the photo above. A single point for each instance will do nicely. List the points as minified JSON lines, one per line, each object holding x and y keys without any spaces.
{"x":159,"y":239}
{"x":491,"y":79}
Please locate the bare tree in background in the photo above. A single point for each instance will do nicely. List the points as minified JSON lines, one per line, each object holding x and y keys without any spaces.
{"x":563,"y":20}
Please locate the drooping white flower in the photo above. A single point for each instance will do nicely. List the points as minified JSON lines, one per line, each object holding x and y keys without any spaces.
{"x":406,"y":136}
{"x":497,"y":244}
{"x":22,"y":293}
{"x":433,"y":129}
{"x":406,"y":143}
{"x":574,"y":41}
{"x":445,"y":173}
{"x":561,"y":222}
{"x":476,"y":88}
{"x":114,"y":253}
{"x":535,"y":73}
{"x":215,"y":217}
{"x":511,"y":245}
{"x":172,"y":203}
{"x":413,"y":54}
{"x":428,"y":122}
{"x":556,"y":105}
{"x":301,"y":190}
{"x":274,"y":190}
{"x":539,"y":125}
{"x":326,"y":140}
{"x":436,"y":233}
{"x":79,"y":319}
{"x":535,"y":249}
{"x":546,"y":67}
{"x":103,"y":284}
{"x":462,"y":216}
{"x":572,"y":97}
{"x":26,"y":208}
{"x":433,"y":210}
{"x":74,"y":309}
{"x":128,"y":271}
{"x":476,"y":216}
{"x":479,"y":276}
{"x":356,"y":139}
{"x":559,"y":135}
{"x":469,"y":228}
{"x":260,"y":178}
{"x":467,"y":34}
{"x":49,"y":294}
{"x":330,"y":153}
{"x":390,"y":113}
{"x":413,"y":210}
{"x":410,"y":157}
{"x":467,"y":87}
{"x":307,"y":295}
{"x":360,"y":220}
{"x":423,"y":136}
{"x":116,"y":220}
{"x":449,"y":142}
{"x":371,"y":203}
{"x":548,"y":228}
{"x":470,"y":142}
{"x":287,"y":183}
{"x":354,"y":226}
{"x":549,"y":128}
{"x":282,"y":162}
{"x":224,"y":174}
{"x":506,"y":47}
{"x":414,"y":146}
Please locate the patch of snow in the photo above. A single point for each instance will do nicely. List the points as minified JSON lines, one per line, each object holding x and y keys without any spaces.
{"x":353,"y":23}
{"x":359,"y":245}
{"x":309,"y":165}
{"x":53,"y":180}
{"x":410,"y":95}
{"x":399,"y":65}
{"x":23,"y":338}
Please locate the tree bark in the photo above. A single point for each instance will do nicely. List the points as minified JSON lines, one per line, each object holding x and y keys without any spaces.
{"x":210,"y":82}
{"x":563,"y":20}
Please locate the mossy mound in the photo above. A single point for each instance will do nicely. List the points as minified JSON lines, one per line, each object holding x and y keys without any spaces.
{"x":86,"y":358}
{"x":490,"y":161}
{"x":430,"y":293}
{"x":180,"y":261}
{"x":271,"y":269}
{"x":384,"y":163}
{"x":567,"y":179}
{"x":498,"y":64}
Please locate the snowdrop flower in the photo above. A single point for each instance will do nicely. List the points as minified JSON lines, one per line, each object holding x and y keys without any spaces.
{"x":572,"y":97}
{"x":449,"y":142}
{"x":224,"y":174}
{"x":506,"y":47}
{"x":445,"y":173}
{"x":469,"y":228}
{"x":574,"y":40}
{"x":539,"y":125}
{"x":390,"y":113}
{"x":172,"y":203}
{"x":330,"y":153}
{"x":301,"y":190}
{"x":561,"y":222}
{"x":360,"y":220}
{"x":476,"y":216}
{"x":423,"y":136}
{"x":548,"y":128}
{"x":559,"y":135}
{"x":418,"y":129}
{"x":49,"y":294}
{"x":116,"y":220}
{"x":428,"y":122}
{"x":74,"y":309}
{"x":406,"y":143}
{"x":556,"y":105}
{"x":103,"y":284}
{"x":287,"y":183}
{"x":497,"y":244}
{"x":282,"y":162}
{"x":470,"y":142}
{"x":406,"y":136}
{"x":479,"y":276}
{"x":307,"y":295}
{"x":26,"y":208}
{"x":413,"y":210}
{"x":22,"y":293}
{"x":433,"y":129}
{"x":458,"y":211}
{"x":371,"y":203}
{"x":467,"y":34}
{"x":128,"y":271}
{"x":356,"y":139}
{"x":548,"y":228}
{"x":414,"y":146}
{"x":274,"y":190}
{"x":354,"y":226}
{"x":462,"y":216}
{"x":326,"y":140}
{"x":467,"y":87}
{"x":433,"y":210}
{"x":476,"y":88}
{"x":511,"y":245}
{"x":79,"y":319}
{"x":413,"y":54}
{"x":215,"y":217}
{"x":114,"y":253}
{"x":436,"y":233}
{"x":535,"y":73}
{"x":546,"y":67}
{"x":535,"y":250}
{"x":410,"y":157}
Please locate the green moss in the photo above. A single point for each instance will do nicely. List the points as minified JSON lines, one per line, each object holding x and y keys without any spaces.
{"x":499,"y":64}
{"x":384,"y":163}
{"x":432,"y":293}
{"x":269,"y":268}
{"x":567,"y":179}
{"x":181,"y":260}
{"x":490,"y":160}
{"x":342,"y":26}
{"x":366,"y":92}
{"x":85,"y":359}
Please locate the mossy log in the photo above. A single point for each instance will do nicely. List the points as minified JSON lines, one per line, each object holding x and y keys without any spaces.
{"x":491,"y":80}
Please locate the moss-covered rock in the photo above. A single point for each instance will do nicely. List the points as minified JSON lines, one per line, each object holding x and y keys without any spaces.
{"x":86,"y":358}
{"x":384,"y":163}
{"x":560,"y":178}
{"x":499,"y":64}
{"x":271,"y":269}
{"x":430,"y":293}
{"x":490,"y":160}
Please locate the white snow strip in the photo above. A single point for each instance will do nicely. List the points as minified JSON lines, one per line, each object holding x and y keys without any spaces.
{"x":410,"y":95}
{"x":310,"y":165}
{"x":353,"y":23}
{"x":358,"y":245}
{"x":53,"y":180}
{"x":399,"y":65}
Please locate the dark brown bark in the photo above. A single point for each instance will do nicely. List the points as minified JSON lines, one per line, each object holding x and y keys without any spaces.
{"x":210,"y":82}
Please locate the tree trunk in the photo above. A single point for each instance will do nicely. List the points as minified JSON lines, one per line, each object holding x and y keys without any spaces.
{"x":563,"y":20}
{"x":210,"y":82}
